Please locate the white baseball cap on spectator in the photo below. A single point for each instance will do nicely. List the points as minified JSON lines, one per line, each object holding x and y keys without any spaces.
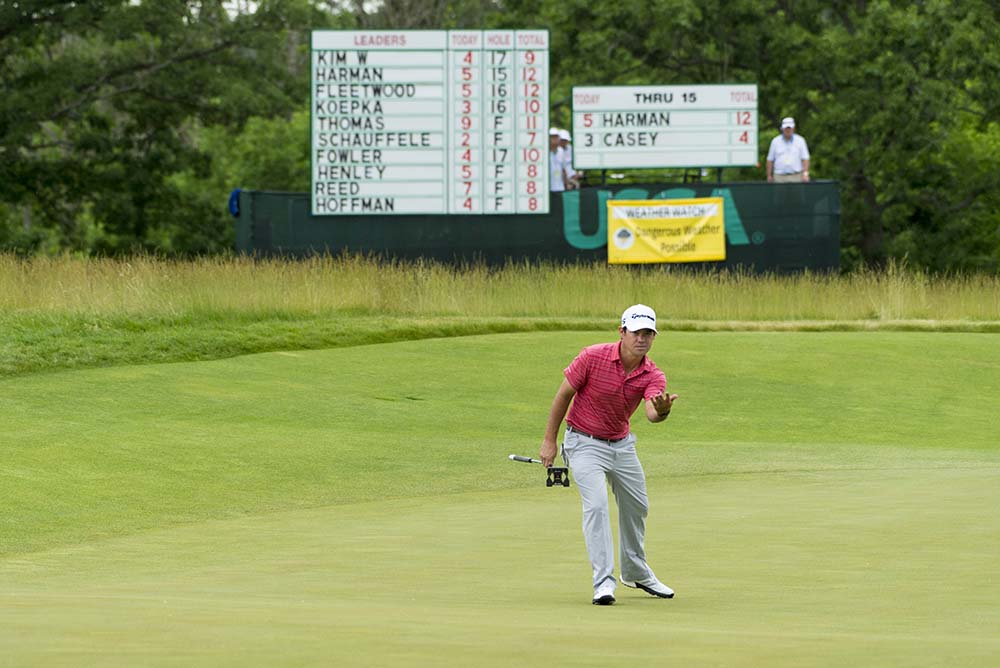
{"x":553,"y":132}
{"x":787,"y":122}
{"x":564,"y":134}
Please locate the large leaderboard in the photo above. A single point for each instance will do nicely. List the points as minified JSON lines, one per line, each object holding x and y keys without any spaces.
{"x":430,"y":122}
{"x":664,"y":126}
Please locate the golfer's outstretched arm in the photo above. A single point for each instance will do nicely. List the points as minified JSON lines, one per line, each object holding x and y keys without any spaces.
{"x":560,"y":405}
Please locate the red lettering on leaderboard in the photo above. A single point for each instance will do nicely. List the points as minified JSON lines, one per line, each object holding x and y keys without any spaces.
{"x":531,"y":40}
{"x":380,"y":40}
{"x":464,"y":40}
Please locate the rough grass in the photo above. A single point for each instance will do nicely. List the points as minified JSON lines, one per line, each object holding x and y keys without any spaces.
{"x":69,"y":313}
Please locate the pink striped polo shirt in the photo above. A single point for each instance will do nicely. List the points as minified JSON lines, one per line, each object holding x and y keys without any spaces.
{"x":605,"y":399}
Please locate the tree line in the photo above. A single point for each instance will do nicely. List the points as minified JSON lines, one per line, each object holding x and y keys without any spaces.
{"x":124,"y":124}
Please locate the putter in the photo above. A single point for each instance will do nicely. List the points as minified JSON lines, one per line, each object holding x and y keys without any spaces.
{"x":557,"y":475}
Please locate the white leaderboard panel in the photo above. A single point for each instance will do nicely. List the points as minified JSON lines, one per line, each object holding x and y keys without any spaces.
{"x":664,"y":126}
{"x":430,"y":122}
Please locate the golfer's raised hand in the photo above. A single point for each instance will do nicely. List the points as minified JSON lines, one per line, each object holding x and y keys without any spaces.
{"x":548,"y":453}
{"x":663,"y":401}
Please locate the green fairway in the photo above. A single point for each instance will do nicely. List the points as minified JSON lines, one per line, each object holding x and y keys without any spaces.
{"x":817,"y":499}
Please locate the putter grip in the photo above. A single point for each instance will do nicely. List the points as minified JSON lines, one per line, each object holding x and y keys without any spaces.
{"x":519,"y":458}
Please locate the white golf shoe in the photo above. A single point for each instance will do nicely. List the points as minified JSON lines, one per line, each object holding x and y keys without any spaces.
{"x":604,"y":593}
{"x":651,"y":586}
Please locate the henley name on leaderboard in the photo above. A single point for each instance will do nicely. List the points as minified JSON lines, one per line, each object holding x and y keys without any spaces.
{"x":350,"y":172}
{"x":375,"y":139}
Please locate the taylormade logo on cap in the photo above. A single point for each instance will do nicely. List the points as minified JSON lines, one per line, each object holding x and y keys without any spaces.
{"x":639,"y":317}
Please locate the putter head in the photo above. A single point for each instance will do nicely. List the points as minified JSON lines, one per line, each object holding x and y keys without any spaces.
{"x":557,"y":475}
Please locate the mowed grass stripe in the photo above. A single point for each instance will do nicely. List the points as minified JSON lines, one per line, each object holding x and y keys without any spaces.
{"x":100,"y":453}
{"x":829,"y":568}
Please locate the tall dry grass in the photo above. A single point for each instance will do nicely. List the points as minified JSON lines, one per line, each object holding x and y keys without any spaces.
{"x":147,"y":287}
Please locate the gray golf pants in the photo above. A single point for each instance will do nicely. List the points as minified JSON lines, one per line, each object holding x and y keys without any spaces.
{"x":596,"y":463}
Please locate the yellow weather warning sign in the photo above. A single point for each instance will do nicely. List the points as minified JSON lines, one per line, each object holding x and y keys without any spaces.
{"x":676,"y":230}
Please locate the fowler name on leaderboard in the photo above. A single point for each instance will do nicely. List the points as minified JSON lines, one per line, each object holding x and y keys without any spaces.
{"x":350,"y":156}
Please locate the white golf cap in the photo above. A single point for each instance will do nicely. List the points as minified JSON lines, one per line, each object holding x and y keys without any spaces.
{"x":564,"y":134}
{"x":639,"y":317}
{"x":553,"y":132}
{"x":787,"y":122}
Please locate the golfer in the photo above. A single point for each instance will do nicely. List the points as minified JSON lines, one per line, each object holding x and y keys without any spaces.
{"x":606,"y":383}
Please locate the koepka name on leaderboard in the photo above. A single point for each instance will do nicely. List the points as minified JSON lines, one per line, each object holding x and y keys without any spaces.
{"x":349,"y":107}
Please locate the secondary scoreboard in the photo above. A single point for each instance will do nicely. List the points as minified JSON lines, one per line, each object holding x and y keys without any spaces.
{"x":664,"y":126}
{"x":430,"y":122}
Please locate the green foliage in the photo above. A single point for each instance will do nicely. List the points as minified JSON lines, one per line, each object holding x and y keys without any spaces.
{"x":105,"y":96}
{"x":895,"y":99}
{"x":125,"y":125}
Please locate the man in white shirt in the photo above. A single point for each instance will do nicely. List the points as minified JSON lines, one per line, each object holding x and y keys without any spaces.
{"x":557,"y":168}
{"x":572,"y":176}
{"x":788,"y":157}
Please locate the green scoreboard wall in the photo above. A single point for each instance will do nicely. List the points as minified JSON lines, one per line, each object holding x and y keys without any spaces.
{"x":769,"y":227}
